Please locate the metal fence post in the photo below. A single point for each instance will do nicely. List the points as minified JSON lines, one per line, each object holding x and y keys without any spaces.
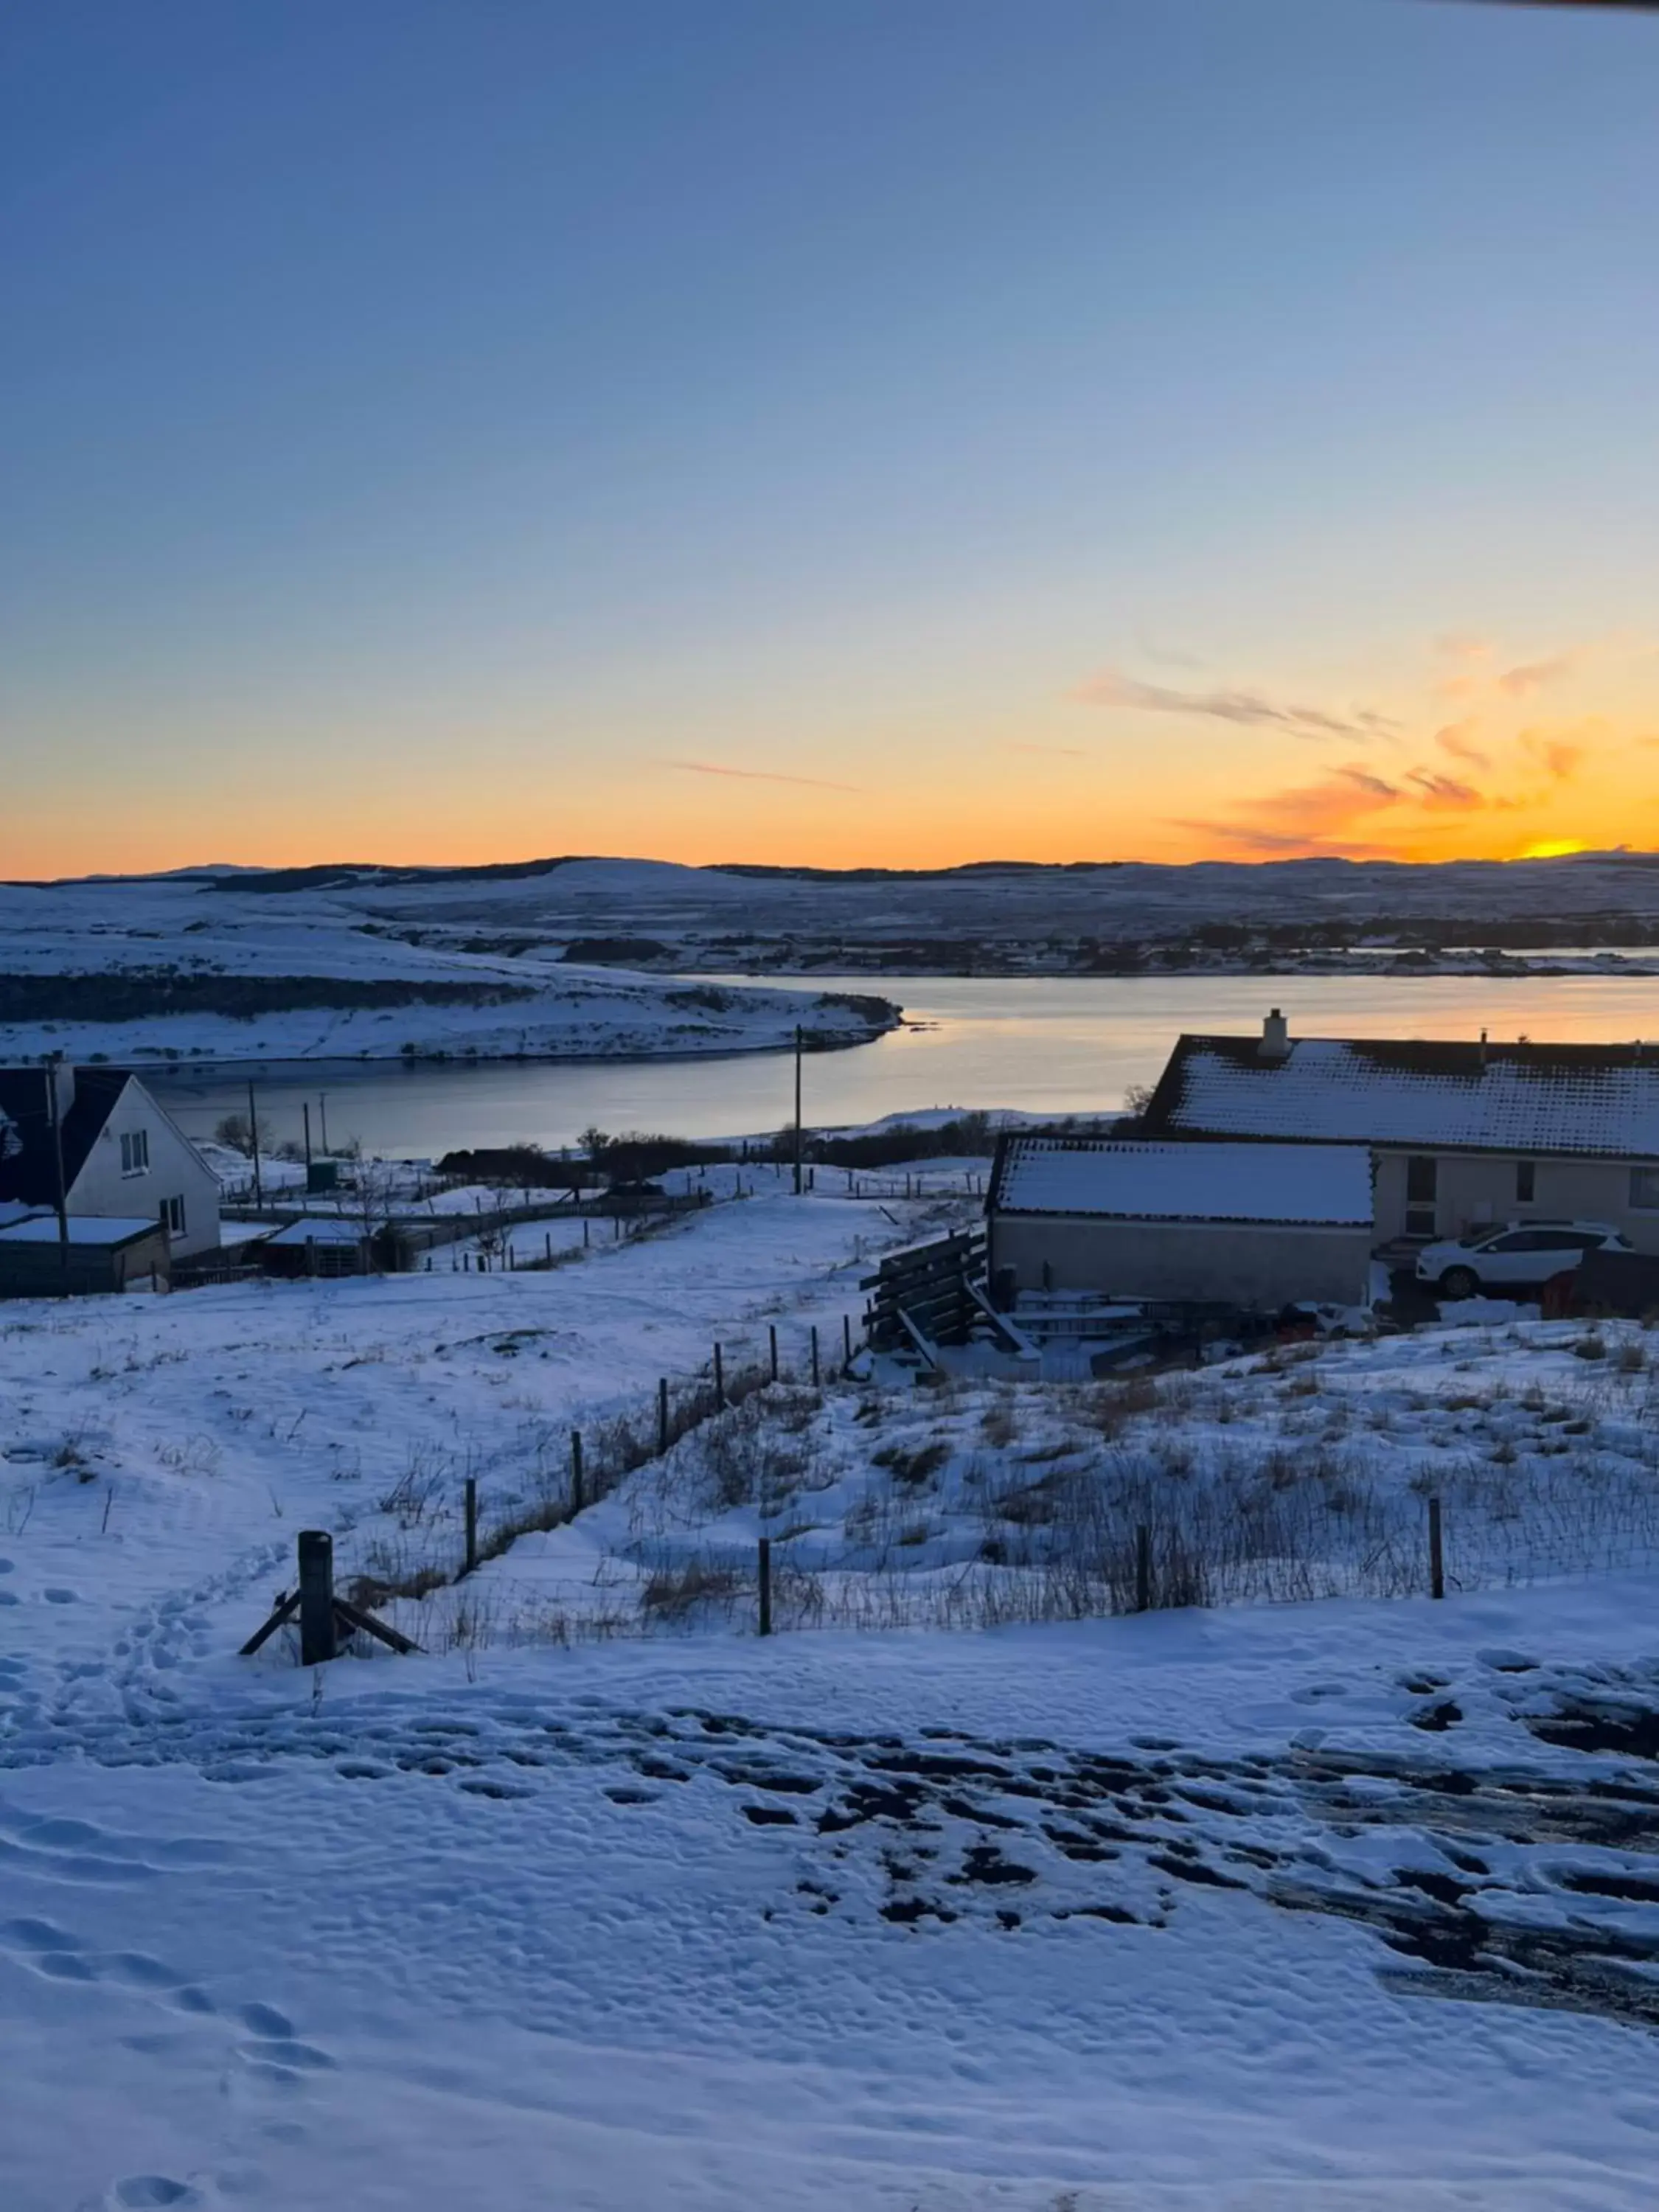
{"x":1143,"y":1569}
{"x":766,"y":1585}
{"x":471,"y":1522}
{"x":1436,"y":1554}
{"x":720,"y":1382}
{"x":815,"y":1355}
{"x":577,"y":1498}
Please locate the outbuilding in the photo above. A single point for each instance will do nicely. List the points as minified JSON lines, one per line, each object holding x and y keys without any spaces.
{"x":43,"y":1257}
{"x":319,"y":1244}
{"x":1261,"y":1226}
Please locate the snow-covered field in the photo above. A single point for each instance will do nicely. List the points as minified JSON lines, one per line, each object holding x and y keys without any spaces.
{"x":1349,"y":1904}
{"x":181,"y":968}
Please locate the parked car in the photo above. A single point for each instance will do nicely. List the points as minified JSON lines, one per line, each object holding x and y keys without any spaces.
{"x":1525,"y":1254}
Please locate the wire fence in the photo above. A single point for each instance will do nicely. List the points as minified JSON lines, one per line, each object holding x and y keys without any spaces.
{"x":1118,"y":1535}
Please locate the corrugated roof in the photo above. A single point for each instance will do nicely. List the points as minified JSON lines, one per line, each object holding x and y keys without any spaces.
{"x":1329,"y":1185}
{"x":1593,"y":1099}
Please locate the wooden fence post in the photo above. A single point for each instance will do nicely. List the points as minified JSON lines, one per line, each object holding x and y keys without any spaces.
{"x":772,"y":1341}
{"x":588,"y":1230}
{"x":1143,"y":1569}
{"x":471,"y":1522}
{"x":662,"y":1417}
{"x":720,"y":1382}
{"x":847,"y":1342}
{"x":815,"y":1355}
{"x":317,"y":1634}
{"x":766,"y":1585}
{"x":577,"y":1498}
{"x":1437,"y":1555}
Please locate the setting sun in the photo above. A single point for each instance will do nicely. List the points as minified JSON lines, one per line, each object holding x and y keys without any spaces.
{"x":1553,"y":848}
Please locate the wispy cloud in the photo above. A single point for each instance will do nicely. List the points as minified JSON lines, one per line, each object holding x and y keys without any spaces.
{"x":1532,"y":676}
{"x":1169,"y":656}
{"x":1366,"y":780}
{"x":756,"y":775}
{"x":1244,"y":841}
{"x":1339,"y":815}
{"x":1476,"y":676}
{"x":1460,"y":645}
{"x":1456,"y":740}
{"x":1560,"y":757}
{"x":1444,"y":790}
{"x":1250,"y":709}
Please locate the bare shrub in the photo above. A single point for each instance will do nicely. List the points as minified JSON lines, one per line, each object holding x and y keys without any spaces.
{"x":914,"y":1468}
{"x":999,"y":1423}
{"x":676,"y":1593}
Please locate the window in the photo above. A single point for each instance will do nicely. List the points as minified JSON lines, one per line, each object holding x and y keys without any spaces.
{"x":1644,"y":1188}
{"x":1526,"y":1181}
{"x":134,"y":1152}
{"x":172,"y":1216}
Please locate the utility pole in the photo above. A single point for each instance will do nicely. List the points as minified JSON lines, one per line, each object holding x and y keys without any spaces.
{"x":253,"y":1140}
{"x":798,"y":1127}
{"x":55,"y":1121}
{"x":305,"y":1109}
{"x":322,"y":1113}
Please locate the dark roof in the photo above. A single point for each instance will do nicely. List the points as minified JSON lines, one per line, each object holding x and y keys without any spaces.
{"x":28,"y":1170}
{"x":1594,"y":1099}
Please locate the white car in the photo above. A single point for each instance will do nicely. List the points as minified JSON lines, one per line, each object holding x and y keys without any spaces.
{"x":1526,"y":1252}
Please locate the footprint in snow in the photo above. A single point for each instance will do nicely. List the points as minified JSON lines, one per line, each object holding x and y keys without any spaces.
{"x":147,"y":2189}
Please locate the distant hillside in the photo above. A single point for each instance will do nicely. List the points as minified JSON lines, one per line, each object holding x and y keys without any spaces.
{"x":496,"y":923}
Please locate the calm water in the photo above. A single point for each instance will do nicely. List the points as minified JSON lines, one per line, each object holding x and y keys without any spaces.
{"x":1059,"y":1045}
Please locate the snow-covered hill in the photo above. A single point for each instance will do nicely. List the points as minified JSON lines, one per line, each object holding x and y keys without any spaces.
{"x":192,"y":967}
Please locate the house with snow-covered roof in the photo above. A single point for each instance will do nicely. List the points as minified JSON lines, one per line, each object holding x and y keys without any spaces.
{"x":95,"y":1140}
{"x":1464,"y":1135}
{"x":1262,"y":1226}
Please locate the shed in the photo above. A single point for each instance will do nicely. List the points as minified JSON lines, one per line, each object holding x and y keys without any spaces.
{"x":106,"y":1252}
{"x":1256,"y":1225}
{"x":319,"y":1244}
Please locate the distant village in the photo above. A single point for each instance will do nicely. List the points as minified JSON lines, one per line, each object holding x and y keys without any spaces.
{"x":1264,"y":1179}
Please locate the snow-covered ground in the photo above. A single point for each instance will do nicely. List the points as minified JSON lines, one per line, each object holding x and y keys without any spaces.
{"x":1349,"y":1905}
{"x":177,"y":968}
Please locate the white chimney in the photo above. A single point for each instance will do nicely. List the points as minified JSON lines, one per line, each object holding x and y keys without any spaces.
{"x":1275,"y":1037}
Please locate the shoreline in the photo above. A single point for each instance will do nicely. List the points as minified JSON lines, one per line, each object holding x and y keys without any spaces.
{"x":420,"y":1063}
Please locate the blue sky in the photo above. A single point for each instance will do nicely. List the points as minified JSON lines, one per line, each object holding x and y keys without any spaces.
{"x":833,"y":433}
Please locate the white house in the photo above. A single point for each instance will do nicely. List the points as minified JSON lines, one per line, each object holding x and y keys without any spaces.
{"x":122,"y":1157}
{"x":1256,"y":1225}
{"x":1464,"y":1135}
